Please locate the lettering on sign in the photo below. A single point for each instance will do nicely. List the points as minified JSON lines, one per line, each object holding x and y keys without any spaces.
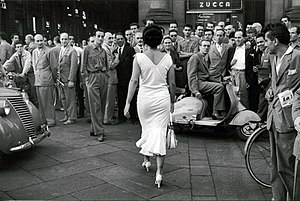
{"x":221,"y":4}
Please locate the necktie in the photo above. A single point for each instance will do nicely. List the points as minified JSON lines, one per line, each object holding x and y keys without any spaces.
{"x":119,"y":51}
{"x":141,"y":48}
{"x":20,"y":59}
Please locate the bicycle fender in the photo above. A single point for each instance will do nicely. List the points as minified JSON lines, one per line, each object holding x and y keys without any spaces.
{"x":244,"y":117}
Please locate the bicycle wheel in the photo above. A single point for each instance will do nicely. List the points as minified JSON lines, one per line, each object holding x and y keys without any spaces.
{"x":258,"y":156}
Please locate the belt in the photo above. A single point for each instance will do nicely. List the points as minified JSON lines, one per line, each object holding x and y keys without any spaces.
{"x":96,"y":71}
{"x":239,"y":70}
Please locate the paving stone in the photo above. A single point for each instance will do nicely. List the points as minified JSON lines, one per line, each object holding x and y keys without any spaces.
{"x":198,"y":154}
{"x":180,"y":178}
{"x":14,"y":178}
{"x":48,"y":146}
{"x":30,"y":160}
{"x":80,"y":143}
{"x":239,"y":193}
{"x":180,"y":160}
{"x":234,"y":177}
{"x":4,"y":196}
{"x":71,"y":168}
{"x":204,"y":198}
{"x":65,"y":198}
{"x":56,"y":188}
{"x":202,"y":186}
{"x":85,"y":152}
{"x":105,"y":192}
{"x":141,"y":185}
{"x":229,"y":155}
{"x":123,"y":145}
{"x":181,"y":194}
{"x":200,"y":170}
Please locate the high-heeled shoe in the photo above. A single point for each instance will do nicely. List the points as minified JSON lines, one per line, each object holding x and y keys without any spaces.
{"x":158,"y":180}
{"x":146,"y":165}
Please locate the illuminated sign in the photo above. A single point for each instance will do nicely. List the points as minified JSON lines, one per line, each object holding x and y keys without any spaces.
{"x":214,"y":5}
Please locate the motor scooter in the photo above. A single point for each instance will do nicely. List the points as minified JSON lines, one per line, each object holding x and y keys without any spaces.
{"x":191,"y":112}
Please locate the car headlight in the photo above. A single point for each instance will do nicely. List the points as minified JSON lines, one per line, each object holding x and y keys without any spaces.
{"x":4,"y":108}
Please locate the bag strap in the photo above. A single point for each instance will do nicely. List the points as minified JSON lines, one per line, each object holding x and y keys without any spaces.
{"x":171,"y":123}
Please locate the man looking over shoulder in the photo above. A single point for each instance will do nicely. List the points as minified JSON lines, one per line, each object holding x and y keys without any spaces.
{"x":285,"y":80}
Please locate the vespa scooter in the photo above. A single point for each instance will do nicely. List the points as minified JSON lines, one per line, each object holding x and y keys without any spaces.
{"x":191,"y":112}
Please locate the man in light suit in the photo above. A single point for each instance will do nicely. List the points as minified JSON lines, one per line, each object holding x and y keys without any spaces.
{"x":45,"y":76}
{"x":218,"y":55}
{"x":200,"y":82}
{"x":285,"y":80}
{"x":113,"y":61}
{"x":67,"y":68}
{"x":296,"y":118}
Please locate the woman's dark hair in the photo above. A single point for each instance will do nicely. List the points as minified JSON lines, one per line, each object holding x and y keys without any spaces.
{"x":152,"y":36}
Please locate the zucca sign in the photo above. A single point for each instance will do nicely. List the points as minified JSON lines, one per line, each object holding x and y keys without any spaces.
{"x":213,"y":5}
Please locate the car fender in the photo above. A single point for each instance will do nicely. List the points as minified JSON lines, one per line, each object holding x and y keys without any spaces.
{"x":36,"y":115}
{"x":11,"y":134}
{"x":244,"y":117}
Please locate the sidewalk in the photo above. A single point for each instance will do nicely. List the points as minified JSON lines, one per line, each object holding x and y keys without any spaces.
{"x":71,"y":165}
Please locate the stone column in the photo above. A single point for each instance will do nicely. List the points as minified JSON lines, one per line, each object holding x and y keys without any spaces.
{"x":294,"y":12}
{"x":160,"y":12}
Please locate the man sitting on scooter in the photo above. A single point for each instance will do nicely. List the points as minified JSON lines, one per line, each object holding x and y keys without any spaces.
{"x":200,"y":82}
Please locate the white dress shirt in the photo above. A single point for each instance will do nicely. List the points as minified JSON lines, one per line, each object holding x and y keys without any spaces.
{"x":239,"y":55}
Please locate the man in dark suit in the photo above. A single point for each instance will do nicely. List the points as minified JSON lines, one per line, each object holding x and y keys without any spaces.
{"x":240,"y":65}
{"x":124,"y":70}
{"x":285,"y":80}
{"x":200,"y":82}
{"x":262,"y":67}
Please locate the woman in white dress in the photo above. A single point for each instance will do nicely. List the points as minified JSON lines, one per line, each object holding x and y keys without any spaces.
{"x":154,"y":71}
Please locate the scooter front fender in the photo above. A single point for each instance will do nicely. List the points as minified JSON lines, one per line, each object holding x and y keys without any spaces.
{"x":244,"y":117}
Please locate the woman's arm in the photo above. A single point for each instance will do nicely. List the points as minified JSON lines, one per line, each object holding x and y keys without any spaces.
{"x":132,"y":85}
{"x":172,"y":86}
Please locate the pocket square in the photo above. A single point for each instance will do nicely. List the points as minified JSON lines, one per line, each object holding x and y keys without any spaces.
{"x":292,"y":72}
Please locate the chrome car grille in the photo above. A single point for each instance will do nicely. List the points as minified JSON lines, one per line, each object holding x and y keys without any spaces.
{"x":22,"y":110}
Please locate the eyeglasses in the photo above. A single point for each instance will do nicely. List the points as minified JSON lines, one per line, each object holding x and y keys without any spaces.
{"x":173,"y":35}
{"x":139,"y":38}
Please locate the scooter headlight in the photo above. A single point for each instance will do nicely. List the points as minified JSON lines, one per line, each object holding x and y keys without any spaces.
{"x":4,"y":108}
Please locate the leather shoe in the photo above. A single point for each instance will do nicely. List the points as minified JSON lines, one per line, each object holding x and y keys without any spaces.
{"x":64,"y":119}
{"x":101,"y":138}
{"x":217,"y":116}
{"x":69,"y":122}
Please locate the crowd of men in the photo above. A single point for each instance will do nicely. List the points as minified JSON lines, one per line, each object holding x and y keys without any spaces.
{"x":263,"y":62}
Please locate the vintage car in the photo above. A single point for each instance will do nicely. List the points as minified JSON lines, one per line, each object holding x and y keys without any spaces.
{"x":21,"y":125}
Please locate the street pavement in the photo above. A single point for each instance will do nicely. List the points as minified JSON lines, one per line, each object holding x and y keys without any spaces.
{"x":71,"y":165}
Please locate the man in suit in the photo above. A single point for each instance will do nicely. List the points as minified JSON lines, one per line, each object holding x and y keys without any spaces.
{"x":262,"y":67}
{"x":296,"y":118}
{"x":218,"y":55}
{"x":200,"y":81}
{"x":45,"y":76}
{"x":124,"y":71}
{"x":285,"y":80}
{"x":94,"y":66}
{"x":113,"y":61}
{"x":67,"y":68}
{"x":240,"y":64}
{"x":19,"y":63}
{"x":6,"y":50}
{"x":187,"y":47}
{"x":139,"y":48}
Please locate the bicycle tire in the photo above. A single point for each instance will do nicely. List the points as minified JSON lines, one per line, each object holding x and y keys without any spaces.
{"x":258,"y":156}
